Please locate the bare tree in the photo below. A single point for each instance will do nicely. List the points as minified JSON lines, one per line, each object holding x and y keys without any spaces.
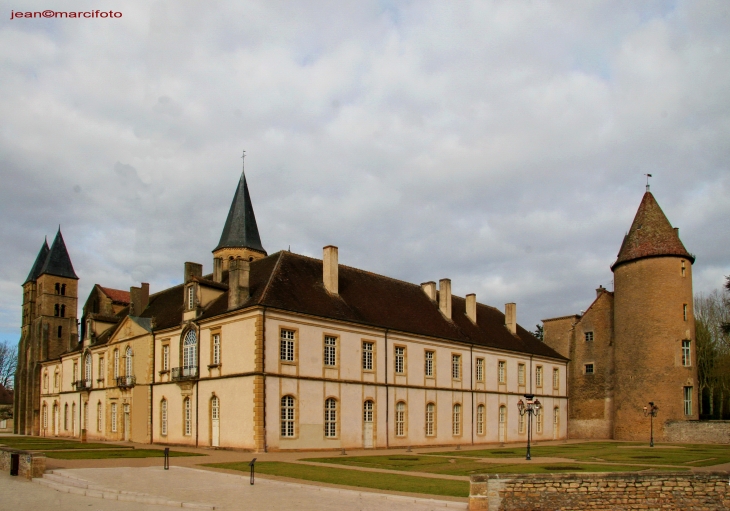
{"x":713,"y":351}
{"x":8,"y":363}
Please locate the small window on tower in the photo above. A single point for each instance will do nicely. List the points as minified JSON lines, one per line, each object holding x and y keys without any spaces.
{"x":684,"y":311}
{"x":58,"y":288}
{"x":684,"y":270}
{"x":63,"y":289}
{"x":589,"y":368}
{"x":60,"y":331}
{"x":589,"y":336}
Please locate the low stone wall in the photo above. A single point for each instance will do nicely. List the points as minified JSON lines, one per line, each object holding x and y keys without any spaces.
{"x":699,"y":432}
{"x":32,"y":464}
{"x":706,"y":491}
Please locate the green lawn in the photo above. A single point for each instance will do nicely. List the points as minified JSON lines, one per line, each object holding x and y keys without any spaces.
{"x":694,"y":455}
{"x":115,"y":453}
{"x":375,"y":480}
{"x":35,"y":443}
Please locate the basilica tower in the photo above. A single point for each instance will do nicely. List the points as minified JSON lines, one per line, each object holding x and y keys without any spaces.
{"x":654,"y":330}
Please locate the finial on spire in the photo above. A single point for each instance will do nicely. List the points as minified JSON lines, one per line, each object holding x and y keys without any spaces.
{"x":647,"y":181}
{"x":243,"y":164}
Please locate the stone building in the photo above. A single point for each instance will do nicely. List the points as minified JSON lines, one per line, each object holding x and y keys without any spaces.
{"x":634,"y":345}
{"x":284,"y":352}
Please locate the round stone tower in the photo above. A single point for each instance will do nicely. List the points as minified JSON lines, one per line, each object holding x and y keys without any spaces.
{"x":654,"y":331}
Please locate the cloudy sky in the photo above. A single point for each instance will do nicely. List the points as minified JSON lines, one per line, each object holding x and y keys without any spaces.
{"x":501,"y":144}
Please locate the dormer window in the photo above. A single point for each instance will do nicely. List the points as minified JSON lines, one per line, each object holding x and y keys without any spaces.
{"x":191,"y":297}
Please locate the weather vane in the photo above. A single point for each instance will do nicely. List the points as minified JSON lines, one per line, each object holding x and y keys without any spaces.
{"x":243,"y":165}
{"x":647,"y":181}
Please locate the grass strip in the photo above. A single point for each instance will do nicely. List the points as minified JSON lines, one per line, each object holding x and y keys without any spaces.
{"x":115,"y":453}
{"x":375,"y":480}
{"x":47,"y":444}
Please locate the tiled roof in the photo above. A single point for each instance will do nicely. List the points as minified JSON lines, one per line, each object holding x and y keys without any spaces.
{"x":240,"y":229}
{"x":117,"y":295}
{"x":58,"y":262}
{"x":651,"y":235}
{"x":35,"y":271}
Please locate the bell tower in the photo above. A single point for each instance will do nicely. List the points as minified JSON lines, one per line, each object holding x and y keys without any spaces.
{"x":655,"y":352}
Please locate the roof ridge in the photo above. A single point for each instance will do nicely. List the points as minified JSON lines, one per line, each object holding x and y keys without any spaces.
{"x":271,"y":275}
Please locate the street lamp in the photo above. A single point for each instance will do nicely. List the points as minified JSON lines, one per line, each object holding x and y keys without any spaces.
{"x":530,"y":408}
{"x":651,"y":411}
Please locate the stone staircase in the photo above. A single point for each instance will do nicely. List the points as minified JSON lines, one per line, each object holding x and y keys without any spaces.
{"x":63,"y":481}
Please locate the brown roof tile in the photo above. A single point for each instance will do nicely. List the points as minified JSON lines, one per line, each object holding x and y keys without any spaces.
{"x":117,"y":295}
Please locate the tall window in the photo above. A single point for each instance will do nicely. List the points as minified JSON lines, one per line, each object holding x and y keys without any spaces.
{"x":330,"y":418}
{"x":429,"y":363}
{"x":73,"y":417}
{"x":191,"y":297}
{"x":45,"y":381}
{"x":556,"y":418}
{"x":187,"y":417}
{"x":63,"y":311}
{"x":456,"y":366}
{"x":538,"y":420}
{"x":60,"y":332}
{"x":287,"y":346}
{"x":400,"y":419}
{"x":520,"y":374}
{"x":215,"y":408}
{"x":589,"y":336}
{"x":430,"y":412}
{"x":45,"y":416}
{"x":114,"y":417}
{"x":101,"y":370}
{"x":56,"y":378}
{"x":216,"y":349}
{"x":65,"y":417}
{"x":86,"y":416}
{"x":521,"y":424}
{"x":57,"y":310}
{"x":556,"y":378}
{"x":688,"y":400}
{"x":367,"y":356}
{"x":538,"y":376}
{"x":166,"y":357}
{"x":684,"y":311}
{"x":163,"y":417}
{"x":367,"y":411}
{"x":87,"y":369}
{"x":190,"y":353}
{"x":98,"y":416}
{"x":128,"y":360}
{"x":480,"y":369}
{"x":330,"y":350}
{"x":502,"y":414}
{"x":400,"y":355}
{"x":116,"y":363}
{"x":287,"y":416}
{"x":456,"y":420}
{"x":686,"y":354}
{"x":501,"y":377}
{"x":481,"y":412}
{"x":684,"y":269}
{"x":76,"y":370}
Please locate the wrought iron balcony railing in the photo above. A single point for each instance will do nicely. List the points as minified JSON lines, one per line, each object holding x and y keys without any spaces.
{"x":184,"y":373}
{"x":126,"y":382}
{"x":82,"y":384}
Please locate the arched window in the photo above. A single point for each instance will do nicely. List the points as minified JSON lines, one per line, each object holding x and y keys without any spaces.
{"x":367,"y":411}
{"x":481,"y":412}
{"x":163,"y":417}
{"x":86,"y":416}
{"x":56,"y":310}
{"x":430,"y":416}
{"x":400,"y":419}
{"x":45,"y":381}
{"x":128,"y":362}
{"x":55,"y":379}
{"x":190,"y":354}
{"x":116,"y":363}
{"x":215,"y":408}
{"x":187,"y":417}
{"x":98,"y":416}
{"x":63,"y":289}
{"x":287,"y":416}
{"x":330,"y":418}
{"x":73,"y":418}
{"x":87,"y":369}
{"x":63,"y":311}
{"x":456,"y":420}
{"x":65,"y":417}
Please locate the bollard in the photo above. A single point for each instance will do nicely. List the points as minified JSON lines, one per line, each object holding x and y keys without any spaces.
{"x":251,"y":465}
{"x":167,"y":458}
{"x":342,"y":452}
{"x":409,"y":449}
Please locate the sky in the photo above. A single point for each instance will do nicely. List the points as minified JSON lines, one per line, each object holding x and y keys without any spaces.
{"x":501,"y":144}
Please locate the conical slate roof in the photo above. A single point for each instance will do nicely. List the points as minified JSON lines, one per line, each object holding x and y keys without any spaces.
{"x":651,"y":235}
{"x":240,"y":230}
{"x":58,"y":262}
{"x":35,"y":271}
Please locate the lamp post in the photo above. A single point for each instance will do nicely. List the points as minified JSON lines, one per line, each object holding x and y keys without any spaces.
{"x":530,"y":408}
{"x":651,"y":411}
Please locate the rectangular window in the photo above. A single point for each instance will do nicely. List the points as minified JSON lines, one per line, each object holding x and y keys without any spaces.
{"x":400,"y":419}
{"x":556,"y":379}
{"x":400,"y":355}
{"x":521,"y":374}
{"x":430,"y":411}
{"x":330,"y":418}
{"x":688,"y":400}
{"x":538,"y":421}
{"x":455,"y":367}
{"x":367,"y":356}
{"x":287,"y":416}
{"x":187,"y":417}
{"x":330,"y":351}
{"x":538,"y":376}
{"x":481,"y":409}
{"x":686,"y":354}
{"x":216,"y":349}
{"x":166,"y":357}
{"x":456,"y":420}
{"x":76,"y":371}
{"x":501,"y":376}
{"x":684,"y":311}
{"x":589,"y":368}
{"x":589,"y":336}
{"x":163,"y":417}
{"x":480,"y":369}
{"x":114,"y":417}
{"x":60,"y":332}
{"x":191,"y":297}
{"x":101,"y":370}
{"x":98,"y":416}
{"x":683,"y":269}
{"x":521,"y":424}
{"x":287,"y":345}
{"x":429,"y":363}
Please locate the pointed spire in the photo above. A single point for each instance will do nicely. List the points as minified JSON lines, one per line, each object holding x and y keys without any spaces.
{"x":651,"y":235}
{"x":35,"y":271}
{"x":241,"y":230}
{"x":58,"y":262}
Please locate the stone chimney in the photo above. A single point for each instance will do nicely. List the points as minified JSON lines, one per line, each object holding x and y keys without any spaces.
{"x":445,"y":297}
{"x":330,"y":269}
{"x":510,"y":317}
{"x":139,"y":298}
{"x":239,"y":272}
{"x":430,"y":289}
{"x":600,"y":291}
{"x":471,"y":307}
{"x":217,"y":269}
{"x":192,"y":270}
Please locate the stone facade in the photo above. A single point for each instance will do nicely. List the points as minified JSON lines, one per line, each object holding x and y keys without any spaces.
{"x":31,"y":464}
{"x":698,"y":432}
{"x":704,"y":491}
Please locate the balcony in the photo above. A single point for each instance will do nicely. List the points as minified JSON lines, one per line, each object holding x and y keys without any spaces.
{"x":184,"y":373}
{"x":82,"y":385}
{"x":126,"y":382}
